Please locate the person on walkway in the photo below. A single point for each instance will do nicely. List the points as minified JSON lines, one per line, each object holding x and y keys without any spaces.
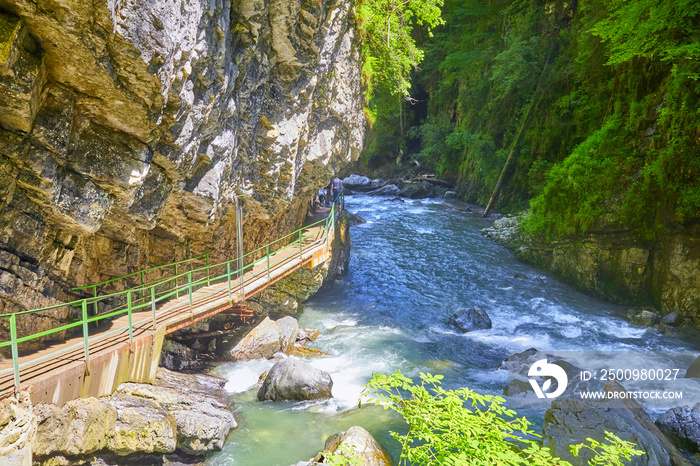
{"x":336,"y":185}
{"x":327,"y":197}
{"x":321,"y":194}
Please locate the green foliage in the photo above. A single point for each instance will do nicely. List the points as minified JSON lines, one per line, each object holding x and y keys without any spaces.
{"x":461,"y":427}
{"x":608,"y":94}
{"x":345,"y":456}
{"x":389,"y":49}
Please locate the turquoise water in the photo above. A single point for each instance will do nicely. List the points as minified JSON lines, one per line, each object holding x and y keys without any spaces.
{"x":413,"y":264}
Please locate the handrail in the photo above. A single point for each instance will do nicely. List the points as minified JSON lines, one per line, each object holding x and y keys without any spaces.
{"x":151,"y":294}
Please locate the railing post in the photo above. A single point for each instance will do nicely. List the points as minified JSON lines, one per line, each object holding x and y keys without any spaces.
{"x":177,"y":287}
{"x":94,"y":295}
{"x":15,"y":351}
{"x":228,"y":278}
{"x":153,"y":305}
{"x":131,"y":327}
{"x":267,"y":254}
{"x":189,"y":287}
{"x":208,"y":274}
{"x":301,"y":251}
{"x":85,"y":337}
{"x":142,"y":278}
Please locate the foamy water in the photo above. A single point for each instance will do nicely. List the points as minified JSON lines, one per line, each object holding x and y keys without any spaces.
{"x":413,"y":265}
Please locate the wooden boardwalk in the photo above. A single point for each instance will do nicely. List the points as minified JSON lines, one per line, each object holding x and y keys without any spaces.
{"x":206,"y":301}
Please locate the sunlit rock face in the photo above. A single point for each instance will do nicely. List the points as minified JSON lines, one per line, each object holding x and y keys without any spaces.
{"x":127,"y":127}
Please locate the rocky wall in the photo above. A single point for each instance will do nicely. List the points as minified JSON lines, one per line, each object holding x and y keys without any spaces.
{"x":619,"y":266}
{"x":127,"y":128}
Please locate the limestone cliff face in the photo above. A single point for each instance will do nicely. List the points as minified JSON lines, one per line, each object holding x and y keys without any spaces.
{"x":620,"y":266}
{"x":126,"y":128}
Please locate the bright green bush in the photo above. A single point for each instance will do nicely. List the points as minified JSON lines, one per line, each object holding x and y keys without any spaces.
{"x":461,"y":427}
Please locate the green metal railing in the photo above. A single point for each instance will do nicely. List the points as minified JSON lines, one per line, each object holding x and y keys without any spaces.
{"x":263,"y":263}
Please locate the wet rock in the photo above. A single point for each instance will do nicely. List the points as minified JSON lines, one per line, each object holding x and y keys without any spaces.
{"x":305,"y":334}
{"x":293,"y":379}
{"x":288,"y":329}
{"x":142,"y":425}
{"x":262,"y":342}
{"x":571,"y":421}
{"x":694,"y":369}
{"x":355,"y":443}
{"x":467,"y":320}
{"x":303,"y":351}
{"x":643,"y":317}
{"x":395,"y":199}
{"x":356,"y":219}
{"x":387,"y":190}
{"x":682,"y":426}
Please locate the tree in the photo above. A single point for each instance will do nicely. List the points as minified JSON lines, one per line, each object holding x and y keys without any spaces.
{"x":389,"y":49}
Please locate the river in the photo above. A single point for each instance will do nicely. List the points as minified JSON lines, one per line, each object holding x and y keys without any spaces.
{"x":413,"y":264}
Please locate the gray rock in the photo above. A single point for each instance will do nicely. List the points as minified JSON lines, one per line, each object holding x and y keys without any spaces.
{"x":82,"y":426}
{"x":670,"y":319}
{"x":288,"y":328}
{"x":421,"y":190}
{"x":354,"y":181}
{"x":202,"y":421}
{"x":388,"y":190}
{"x":262,"y":342}
{"x":355,"y":443}
{"x":682,"y":426}
{"x":293,"y":379}
{"x":571,"y":421}
{"x":142,"y":425}
{"x":467,"y":320}
{"x":643,"y":317}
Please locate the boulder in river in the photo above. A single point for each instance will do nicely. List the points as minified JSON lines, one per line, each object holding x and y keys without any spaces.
{"x":570,"y":421}
{"x":293,"y":379}
{"x":643,"y":317}
{"x":421,"y":189}
{"x":262,"y":342}
{"x":387,"y":190}
{"x":354,"y":443}
{"x":356,"y":181}
{"x":288,"y":330}
{"x":467,"y":320}
{"x":682,"y":426}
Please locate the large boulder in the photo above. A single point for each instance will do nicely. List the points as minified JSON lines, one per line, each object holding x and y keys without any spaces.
{"x":288,"y":329}
{"x":571,"y":421}
{"x":643,"y":317}
{"x":467,"y":320}
{"x":142,"y":425}
{"x":387,"y":190}
{"x":202,"y":421}
{"x":421,"y":190}
{"x":356,"y":181}
{"x":293,"y":379}
{"x":82,"y":426}
{"x":682,"y":426}
{"x":356,"y":443}
{"x":262,"y":342}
